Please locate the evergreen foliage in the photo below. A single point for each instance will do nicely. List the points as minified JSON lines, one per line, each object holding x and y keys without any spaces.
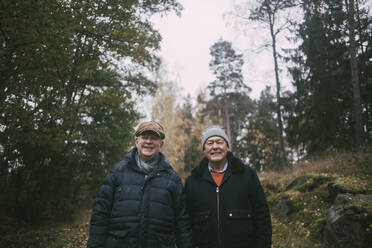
{"x":320,"y":110}
{"x":259,"y":143}
{"x":229,"y":93}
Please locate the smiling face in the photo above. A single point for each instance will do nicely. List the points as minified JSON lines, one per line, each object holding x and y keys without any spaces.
{"x":148,"y":145}
{"x":215,"y":149}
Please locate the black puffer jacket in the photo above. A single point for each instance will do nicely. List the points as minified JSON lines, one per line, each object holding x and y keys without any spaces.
{"x":234,"y":215}
{"x":134,"y":209}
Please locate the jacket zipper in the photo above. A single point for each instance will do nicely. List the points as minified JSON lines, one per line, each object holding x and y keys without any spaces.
{"x":218,"y":216}
{"x":142,"y":214}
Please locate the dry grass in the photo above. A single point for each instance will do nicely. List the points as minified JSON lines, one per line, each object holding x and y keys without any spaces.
{"x":341,"y":164}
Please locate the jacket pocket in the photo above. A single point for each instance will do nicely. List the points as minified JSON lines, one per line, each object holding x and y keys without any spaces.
{"x":239,"y":223}
{"x":117,"y":239}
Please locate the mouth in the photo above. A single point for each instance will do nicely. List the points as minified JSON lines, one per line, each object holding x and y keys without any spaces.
{"x":215,"y":153}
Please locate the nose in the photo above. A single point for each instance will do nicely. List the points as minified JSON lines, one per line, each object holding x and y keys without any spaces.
{"x":214,"y":145}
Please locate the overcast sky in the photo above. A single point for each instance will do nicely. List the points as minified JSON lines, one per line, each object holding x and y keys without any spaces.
{"x":187,"y":39}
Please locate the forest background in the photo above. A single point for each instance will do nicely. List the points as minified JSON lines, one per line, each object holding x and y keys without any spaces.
{"x":73,"y":73}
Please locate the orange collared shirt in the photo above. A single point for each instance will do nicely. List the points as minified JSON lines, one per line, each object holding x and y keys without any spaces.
{"x":217,"y":177}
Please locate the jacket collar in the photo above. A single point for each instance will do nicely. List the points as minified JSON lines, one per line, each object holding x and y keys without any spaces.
{"x":235,"y":164}
{"x":163,"y":163}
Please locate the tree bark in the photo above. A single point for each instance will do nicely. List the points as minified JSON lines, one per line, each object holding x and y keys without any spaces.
{"x":355,"y":78}
{"x":227,"y":115}
{"x":282,"y":153}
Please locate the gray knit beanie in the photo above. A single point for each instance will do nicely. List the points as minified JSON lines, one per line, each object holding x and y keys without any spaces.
{"x":214,"y":131}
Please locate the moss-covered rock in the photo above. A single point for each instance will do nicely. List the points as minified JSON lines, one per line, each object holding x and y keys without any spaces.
{"x":314,"y":182}
{"x":341,"y":231}
{"x":308,"y":183}
{"x":358,"y":208}
{"x":297,"y":181}
{"x":281,"y":209}
{"x":350,"y":185}
{"x":282,"y":204}
{"x":349,"y":221}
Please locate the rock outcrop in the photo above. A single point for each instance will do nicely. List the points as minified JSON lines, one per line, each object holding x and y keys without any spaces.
{"x":349,"y":221}
{"x":281,"y":209}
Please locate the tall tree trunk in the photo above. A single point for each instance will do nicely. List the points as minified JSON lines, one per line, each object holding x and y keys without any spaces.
{"x":282,"y":153}
{"x":227,"y":114}
{"x":355,"y":78}
{"x":367,"y":115}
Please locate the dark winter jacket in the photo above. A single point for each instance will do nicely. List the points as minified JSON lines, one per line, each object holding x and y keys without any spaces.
{"x":135,"y":209}
{"x":233,"y":215}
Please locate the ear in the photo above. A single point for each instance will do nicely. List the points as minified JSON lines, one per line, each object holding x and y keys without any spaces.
{"x":161,"y":143}
{"x":136,"y":141}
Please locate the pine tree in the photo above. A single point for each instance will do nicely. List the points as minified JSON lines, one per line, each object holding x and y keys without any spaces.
{"x":226,"y":65}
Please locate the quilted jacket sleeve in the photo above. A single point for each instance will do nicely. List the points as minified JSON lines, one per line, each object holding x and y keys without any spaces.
{"x":183,"y":230}
{"x":101,"y":213}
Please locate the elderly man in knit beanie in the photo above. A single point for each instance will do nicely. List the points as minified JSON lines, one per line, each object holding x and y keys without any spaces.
{"x":141,"y":203}
{"x":225,"y":199}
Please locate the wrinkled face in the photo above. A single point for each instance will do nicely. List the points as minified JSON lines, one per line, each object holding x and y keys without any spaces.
{"x":215,"y":149}
{"x":148,"y":145}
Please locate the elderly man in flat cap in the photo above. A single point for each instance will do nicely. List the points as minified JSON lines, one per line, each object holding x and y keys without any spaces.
{"x":225,"y":199}
{"x":141,"y":203}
